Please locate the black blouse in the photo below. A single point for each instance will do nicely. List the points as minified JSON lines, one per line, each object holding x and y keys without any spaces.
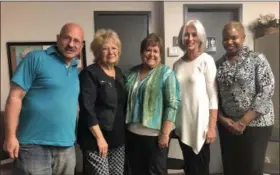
{"x":102,"y":101}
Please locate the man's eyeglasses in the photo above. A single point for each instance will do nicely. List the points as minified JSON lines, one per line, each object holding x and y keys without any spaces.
{"x":69,"y":39}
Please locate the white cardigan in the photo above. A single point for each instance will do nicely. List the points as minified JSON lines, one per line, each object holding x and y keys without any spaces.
{"x":198,"y":95}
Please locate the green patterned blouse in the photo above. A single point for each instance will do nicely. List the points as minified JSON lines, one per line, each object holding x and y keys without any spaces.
{"x":155,"y":99}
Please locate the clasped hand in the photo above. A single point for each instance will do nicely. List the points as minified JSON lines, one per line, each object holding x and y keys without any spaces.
{"x":236,"y":128}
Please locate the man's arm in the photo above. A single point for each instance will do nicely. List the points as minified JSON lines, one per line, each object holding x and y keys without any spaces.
{"x":11,"y":118}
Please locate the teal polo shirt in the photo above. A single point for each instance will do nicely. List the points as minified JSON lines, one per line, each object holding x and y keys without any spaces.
{"x":49,"y":109}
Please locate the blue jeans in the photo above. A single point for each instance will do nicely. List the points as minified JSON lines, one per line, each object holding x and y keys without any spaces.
{"x":45,"y":160}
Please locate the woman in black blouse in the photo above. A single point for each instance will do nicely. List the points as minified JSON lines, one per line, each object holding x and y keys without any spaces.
{"x":102,"y":108}
{"x":246,"y":85}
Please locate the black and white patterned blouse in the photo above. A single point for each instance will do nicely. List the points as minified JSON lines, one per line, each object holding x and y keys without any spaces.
{"x":247,"y":83}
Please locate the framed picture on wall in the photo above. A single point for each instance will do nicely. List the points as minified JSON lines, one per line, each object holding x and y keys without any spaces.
{"x":17,"y":50}
{"x":211,"y":44}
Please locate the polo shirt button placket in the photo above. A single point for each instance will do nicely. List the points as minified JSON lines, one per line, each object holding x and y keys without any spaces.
{"x":68,"y":69}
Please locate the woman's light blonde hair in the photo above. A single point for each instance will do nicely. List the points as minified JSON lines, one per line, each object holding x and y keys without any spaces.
{"x":100,"y":37}
{"x":200,"y":33}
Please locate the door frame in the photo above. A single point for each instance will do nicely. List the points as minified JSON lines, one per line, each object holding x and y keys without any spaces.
{"x":235,"y":8}
{"x":128,"y":13}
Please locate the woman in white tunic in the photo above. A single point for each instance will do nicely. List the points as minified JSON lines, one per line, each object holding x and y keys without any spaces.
{"x":197,"y":116}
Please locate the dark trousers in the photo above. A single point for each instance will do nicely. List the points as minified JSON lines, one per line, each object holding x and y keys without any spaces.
{"x":144,"y":155}
{"x":196,"y":164}
{"x":244,"y":154}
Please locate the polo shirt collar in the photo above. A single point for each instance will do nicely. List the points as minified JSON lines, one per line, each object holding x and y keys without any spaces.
{"x":53,"y":50}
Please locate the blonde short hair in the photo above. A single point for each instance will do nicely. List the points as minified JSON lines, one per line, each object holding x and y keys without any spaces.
{"x":100,"y":37}
{"x":200,"y":33}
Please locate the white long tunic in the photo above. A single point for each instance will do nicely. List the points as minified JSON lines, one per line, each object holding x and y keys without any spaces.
{"x":198,"y":95}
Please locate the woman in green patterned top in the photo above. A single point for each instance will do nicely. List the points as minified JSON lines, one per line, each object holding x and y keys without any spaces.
{"x":153,"y":100}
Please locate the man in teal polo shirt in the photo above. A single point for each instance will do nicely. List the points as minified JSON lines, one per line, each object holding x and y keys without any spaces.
{"x":41,"y":109}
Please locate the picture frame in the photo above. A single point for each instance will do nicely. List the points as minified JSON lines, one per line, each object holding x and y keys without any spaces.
{"x":211,"y":45}
{"x":17,"y":50}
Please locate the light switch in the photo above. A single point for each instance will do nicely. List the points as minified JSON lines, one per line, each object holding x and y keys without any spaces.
{"x":173,"y":52}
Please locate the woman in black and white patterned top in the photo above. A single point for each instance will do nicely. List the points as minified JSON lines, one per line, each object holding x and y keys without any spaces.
{"x":246,"y":85}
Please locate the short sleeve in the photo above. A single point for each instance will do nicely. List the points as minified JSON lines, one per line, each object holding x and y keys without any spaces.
{"x":26,"y":71}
